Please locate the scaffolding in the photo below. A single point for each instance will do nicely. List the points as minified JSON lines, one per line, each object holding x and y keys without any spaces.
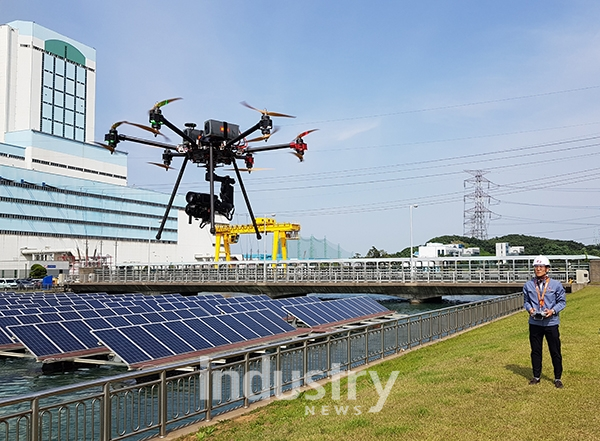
{"x":282,"y":232}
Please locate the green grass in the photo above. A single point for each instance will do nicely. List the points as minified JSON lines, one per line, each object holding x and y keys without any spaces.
{"x":471,"y":387}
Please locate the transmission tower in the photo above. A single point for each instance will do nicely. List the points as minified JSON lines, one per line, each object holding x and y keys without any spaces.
{"x":477,"y":214}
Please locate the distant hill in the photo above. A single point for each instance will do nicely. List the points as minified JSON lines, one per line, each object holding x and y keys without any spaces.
{"x":533,"y":246}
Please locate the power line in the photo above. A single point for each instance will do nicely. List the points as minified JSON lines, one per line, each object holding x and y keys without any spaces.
{"x":453,"y":106}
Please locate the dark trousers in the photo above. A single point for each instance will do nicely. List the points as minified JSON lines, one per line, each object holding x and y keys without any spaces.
{"x":536,"y":338}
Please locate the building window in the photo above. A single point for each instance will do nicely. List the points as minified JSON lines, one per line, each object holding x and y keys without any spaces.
{"x":63,"y":98}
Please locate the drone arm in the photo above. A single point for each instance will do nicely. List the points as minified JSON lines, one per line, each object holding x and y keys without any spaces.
{"x":243,"y":135}
{"x":239,"y":177}
{"x":268,"y":147}
{"x":170,"y":204}
{"x":174,"y":128}
{"x":162,"y":145}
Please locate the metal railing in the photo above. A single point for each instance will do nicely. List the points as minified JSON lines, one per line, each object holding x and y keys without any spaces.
{"x":153,"y":402}
{"x":515,"y":269}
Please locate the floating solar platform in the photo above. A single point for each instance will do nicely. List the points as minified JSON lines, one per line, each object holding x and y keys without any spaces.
{"x":334,"y":312}
{"x":146,"y":330}
{"x":164,"y":343}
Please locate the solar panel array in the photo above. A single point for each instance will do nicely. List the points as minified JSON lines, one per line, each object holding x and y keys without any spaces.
{"x":333,"y":311}
{"x":142,"y":328}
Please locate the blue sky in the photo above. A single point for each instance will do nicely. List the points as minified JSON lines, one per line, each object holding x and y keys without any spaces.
{"x":407,"y":96}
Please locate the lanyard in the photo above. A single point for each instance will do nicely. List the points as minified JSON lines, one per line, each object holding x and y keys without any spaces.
{"x":541,"y":296}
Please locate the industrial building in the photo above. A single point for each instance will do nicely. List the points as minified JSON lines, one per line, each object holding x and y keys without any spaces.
{"x":65,"y":202}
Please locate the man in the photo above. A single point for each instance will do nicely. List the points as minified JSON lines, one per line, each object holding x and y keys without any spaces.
{"x":544,"y":298}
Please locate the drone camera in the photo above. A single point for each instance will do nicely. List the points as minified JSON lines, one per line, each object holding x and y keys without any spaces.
{"x":198,"y":204}
{"x":221,"y":130}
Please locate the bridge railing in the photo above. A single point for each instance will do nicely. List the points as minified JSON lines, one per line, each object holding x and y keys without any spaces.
{"x":497,"y":270}
{"x":153,"y":402}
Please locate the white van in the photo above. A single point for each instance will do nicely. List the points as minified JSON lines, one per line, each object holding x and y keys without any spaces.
{"x":8,"y":284}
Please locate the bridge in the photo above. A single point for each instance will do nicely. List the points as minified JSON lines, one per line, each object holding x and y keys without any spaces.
{"x":415,"y":280}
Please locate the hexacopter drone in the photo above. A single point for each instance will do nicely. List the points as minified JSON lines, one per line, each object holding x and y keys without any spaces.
{"x":220,"y":143}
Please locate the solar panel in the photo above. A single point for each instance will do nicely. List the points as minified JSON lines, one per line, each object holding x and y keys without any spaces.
{"x":83,"y":331}
{"x":98,"y":323}
{"x":88,"y":313}
{"x":117,"y":321}
{"x":198,"y":312}
{"x":13,"y":312}
{"x":207,"y":332}
{"x":191,"y":337}
{"x":171,"y":339}
{"x":223,"y":329}
{"x":8,"y":321}
{"x":51,"y":317}
{"x":252,"y":324}
{"x":170,"y":315}
{"x":150,"y":344}
{"x":326,"y":312}
{"x":230,"y":309}
{"x":307,"y":316}
{"x":210,"y":309}
{"x":30,"y":318}
{"x":272,"y":321}
{"x":153,"y":317}
{"x":183,"y":313}
{"x":137,"y":319}
{"x":60,"y":336}
{"x":70,"y":315}
{"x":126,"y":349}
{"x":245,"y":332}
{"x":34,"y":340}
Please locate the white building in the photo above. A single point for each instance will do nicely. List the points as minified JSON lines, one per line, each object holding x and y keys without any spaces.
{"x":65,"y":202}
{"x":434,"y":249}
{"x":504,"y":249}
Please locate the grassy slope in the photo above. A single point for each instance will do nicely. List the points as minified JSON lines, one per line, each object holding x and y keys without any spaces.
{"x":471,"y":387}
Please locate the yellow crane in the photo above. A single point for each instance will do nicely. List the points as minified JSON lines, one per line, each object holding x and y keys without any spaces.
{"x":282,"y":232}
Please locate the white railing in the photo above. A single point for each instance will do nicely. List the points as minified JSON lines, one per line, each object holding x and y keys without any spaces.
{"x":438,"y":270}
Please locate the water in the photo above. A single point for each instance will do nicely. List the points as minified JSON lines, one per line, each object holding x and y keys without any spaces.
{"x":21,"y":376}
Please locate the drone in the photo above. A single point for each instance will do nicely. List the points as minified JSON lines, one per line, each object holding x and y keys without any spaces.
{"x":218,"y":144}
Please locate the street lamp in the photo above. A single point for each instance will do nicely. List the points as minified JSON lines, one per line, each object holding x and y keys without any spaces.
{"x":19,"y":262}
{"x":411,"y":235}
{"x":265,"y":248}
{"x":149,"y":242}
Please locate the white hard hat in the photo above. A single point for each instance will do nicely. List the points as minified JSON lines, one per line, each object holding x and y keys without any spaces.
{"x":541,"y":260}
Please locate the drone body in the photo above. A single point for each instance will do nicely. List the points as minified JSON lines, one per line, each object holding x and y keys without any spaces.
{"x":218,"y":143}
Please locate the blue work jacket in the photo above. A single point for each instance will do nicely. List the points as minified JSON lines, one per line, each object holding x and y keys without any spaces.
{"x":554,"y":298}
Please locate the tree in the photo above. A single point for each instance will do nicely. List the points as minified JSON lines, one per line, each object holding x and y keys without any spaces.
{"x":37,"y":271}
{"x":376,"y":254}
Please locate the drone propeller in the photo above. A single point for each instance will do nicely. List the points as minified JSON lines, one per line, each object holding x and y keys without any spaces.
{"x":299,"y":145}
{"x":140,"y":126}
{"x":159,"y":104}
{"x":299,"y":155}
{"x":110,"y":148}
{"x":263,"y":137}
{"x":303,"y":134}
{"x":264,"y":112}
{"x":165,"y":166}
